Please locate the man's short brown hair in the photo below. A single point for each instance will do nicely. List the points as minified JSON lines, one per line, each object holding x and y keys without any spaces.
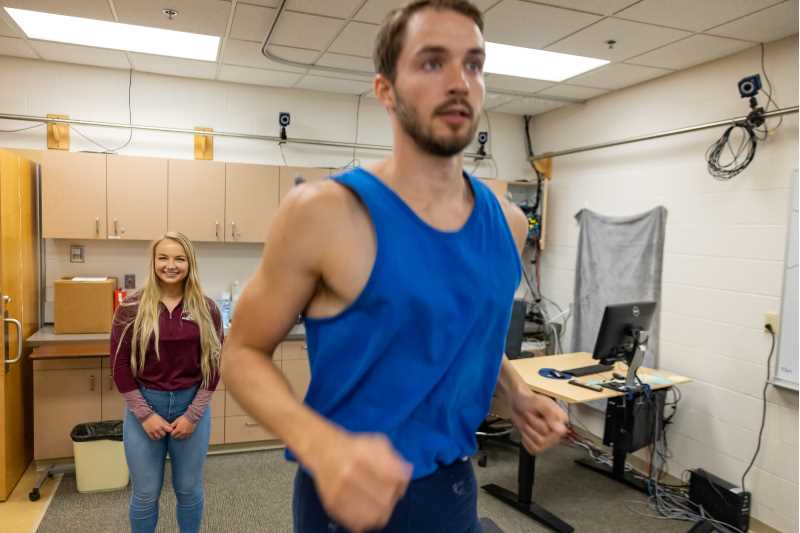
{"x":391,"y":36}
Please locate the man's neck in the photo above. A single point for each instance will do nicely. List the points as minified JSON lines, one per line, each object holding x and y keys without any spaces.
{"x":419,"y":176}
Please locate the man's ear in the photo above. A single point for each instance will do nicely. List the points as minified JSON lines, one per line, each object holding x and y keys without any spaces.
{"x":384,"y":91}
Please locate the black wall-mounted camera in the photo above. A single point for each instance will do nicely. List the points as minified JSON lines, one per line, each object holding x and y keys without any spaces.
{"x":483,"y":138}
{"x":749,"y":86}
{"x":284,"y":119}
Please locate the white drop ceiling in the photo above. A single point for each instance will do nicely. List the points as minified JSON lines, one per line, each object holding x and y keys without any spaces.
{"x":653,"y":38}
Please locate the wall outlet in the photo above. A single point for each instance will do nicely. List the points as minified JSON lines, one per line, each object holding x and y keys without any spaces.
{"x":771,"y":318}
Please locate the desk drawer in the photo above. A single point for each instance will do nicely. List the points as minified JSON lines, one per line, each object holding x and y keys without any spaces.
{"x":244,"y":429}
{"x":217,"y":431}
{"x":217,"y":404}
{"x":67,"y":364}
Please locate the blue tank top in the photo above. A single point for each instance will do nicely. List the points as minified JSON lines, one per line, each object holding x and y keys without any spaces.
{"x":416,"y":356}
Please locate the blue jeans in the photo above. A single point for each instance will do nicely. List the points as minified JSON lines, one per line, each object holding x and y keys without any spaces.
{"x":443,"y":502}
{"x":146,"y":459}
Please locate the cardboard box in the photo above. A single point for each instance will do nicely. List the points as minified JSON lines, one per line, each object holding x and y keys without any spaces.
{"x":84,"y":305}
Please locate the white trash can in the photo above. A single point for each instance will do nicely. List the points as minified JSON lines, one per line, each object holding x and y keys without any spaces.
{"x":99,"y":456}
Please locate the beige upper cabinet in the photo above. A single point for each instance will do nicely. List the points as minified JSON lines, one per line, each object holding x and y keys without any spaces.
{"x":73,"y":195}
{"x":251,"y":199}
{"x":137,"y":197}
{"x":289,"y":174}
{"x":196,"y":199}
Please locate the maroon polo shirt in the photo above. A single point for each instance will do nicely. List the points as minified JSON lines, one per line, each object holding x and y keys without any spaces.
{"x":179,"y":349}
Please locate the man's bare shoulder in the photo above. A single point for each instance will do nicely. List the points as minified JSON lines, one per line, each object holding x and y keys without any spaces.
{"x":516,"y":219}
{"x":314,"y":203}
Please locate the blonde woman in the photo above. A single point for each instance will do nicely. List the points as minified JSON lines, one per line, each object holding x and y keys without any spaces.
{"x":165,"y":344}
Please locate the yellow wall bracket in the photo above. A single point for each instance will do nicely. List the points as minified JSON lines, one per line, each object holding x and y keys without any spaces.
{"x":204,"y":145}
{"x":57,"y":134}
{"x":544,"y":167}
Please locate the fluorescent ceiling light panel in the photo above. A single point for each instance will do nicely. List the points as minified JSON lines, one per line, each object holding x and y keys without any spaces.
{"x":536,"y":64}
{"x":114,"y":35}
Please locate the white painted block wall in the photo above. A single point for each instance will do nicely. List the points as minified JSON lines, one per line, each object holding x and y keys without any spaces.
{"x":723,"y":259}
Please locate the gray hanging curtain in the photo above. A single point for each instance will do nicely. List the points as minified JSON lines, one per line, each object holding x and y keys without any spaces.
{"x":620,"y":260}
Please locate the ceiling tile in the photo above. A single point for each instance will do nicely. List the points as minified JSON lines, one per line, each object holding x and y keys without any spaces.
{"x":93,"y":9}
{"x":84,"y":55}
{"x":618,"y":75}
{"x":357,"y":39}
{"x":692,"y":51}
{"x":512,"y":83}
{"x":251,"y":23}
{"x":768,"y":25}
{"x":691,"y":14}
{"x":209,"y":17}
{"x":633,"y":38}
{"x":374,"y":11}
{"x":10,"y":46}
{"x":255,"y":76}
{"x":248,"y":54}
{"x":494,"y":100}
{"x":306,"y":31}
{"x":600,"y":7}
{"x":298,"y":55}
{"x":349,"y":62}
{"x":512,"y":22}
{"x":340,"y":8}
{"x":267,"y":3}
{"x":334,"y":85}
{"x":528,"y":106}
{"x":570,"y":91}
{"x":173,"y":66}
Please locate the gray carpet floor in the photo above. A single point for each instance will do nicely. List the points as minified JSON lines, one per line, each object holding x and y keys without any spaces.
{"x":251,"y":492}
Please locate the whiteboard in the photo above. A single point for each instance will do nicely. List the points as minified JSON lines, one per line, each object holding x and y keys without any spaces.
{"x":786,"y":371}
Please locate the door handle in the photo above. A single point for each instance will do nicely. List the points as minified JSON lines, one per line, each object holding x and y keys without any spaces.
{"x":233,"y":230}
{"x":92,"y":380}
{"x":19,"y":340}
{"x":97,"y":225}
{"x":116,"y":227}
{"x":216,"y":229}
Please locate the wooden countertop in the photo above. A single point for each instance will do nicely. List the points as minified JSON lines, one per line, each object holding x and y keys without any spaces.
{"x":47,"y":335}
{"x":70,"y":350}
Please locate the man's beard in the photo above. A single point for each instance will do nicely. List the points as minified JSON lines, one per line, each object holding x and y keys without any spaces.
{"x":425,"y":138}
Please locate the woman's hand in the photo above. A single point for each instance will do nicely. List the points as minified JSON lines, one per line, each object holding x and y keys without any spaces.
{"x":182,"y":428}
{"x":156,"y":427}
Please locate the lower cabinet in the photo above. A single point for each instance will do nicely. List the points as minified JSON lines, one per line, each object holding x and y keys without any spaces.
{"x":68,"y":392}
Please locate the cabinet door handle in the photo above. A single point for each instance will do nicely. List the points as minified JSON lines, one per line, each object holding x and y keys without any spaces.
{"x":110,"y":383}
{"x":116,"y":227}
{"x":251,"y":424}
{"x":19,"y":339}
{"x":233,"y":230}
{"x":216,"y":229}
{"x":92,"y":380}
{"x":97,"y":226}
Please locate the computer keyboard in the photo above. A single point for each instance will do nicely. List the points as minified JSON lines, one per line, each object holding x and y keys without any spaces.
{"x":588,"y":370}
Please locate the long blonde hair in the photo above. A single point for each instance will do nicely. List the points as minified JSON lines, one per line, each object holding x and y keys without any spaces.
{"x":145,"y":322}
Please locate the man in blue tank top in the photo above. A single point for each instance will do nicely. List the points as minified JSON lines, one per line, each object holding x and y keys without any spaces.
{"x":405,"y":274}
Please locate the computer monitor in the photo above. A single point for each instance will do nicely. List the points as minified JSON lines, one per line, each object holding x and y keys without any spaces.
{"x":516,"y":329}
{"x":620,"y":325}
{"x":623,"y":335}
